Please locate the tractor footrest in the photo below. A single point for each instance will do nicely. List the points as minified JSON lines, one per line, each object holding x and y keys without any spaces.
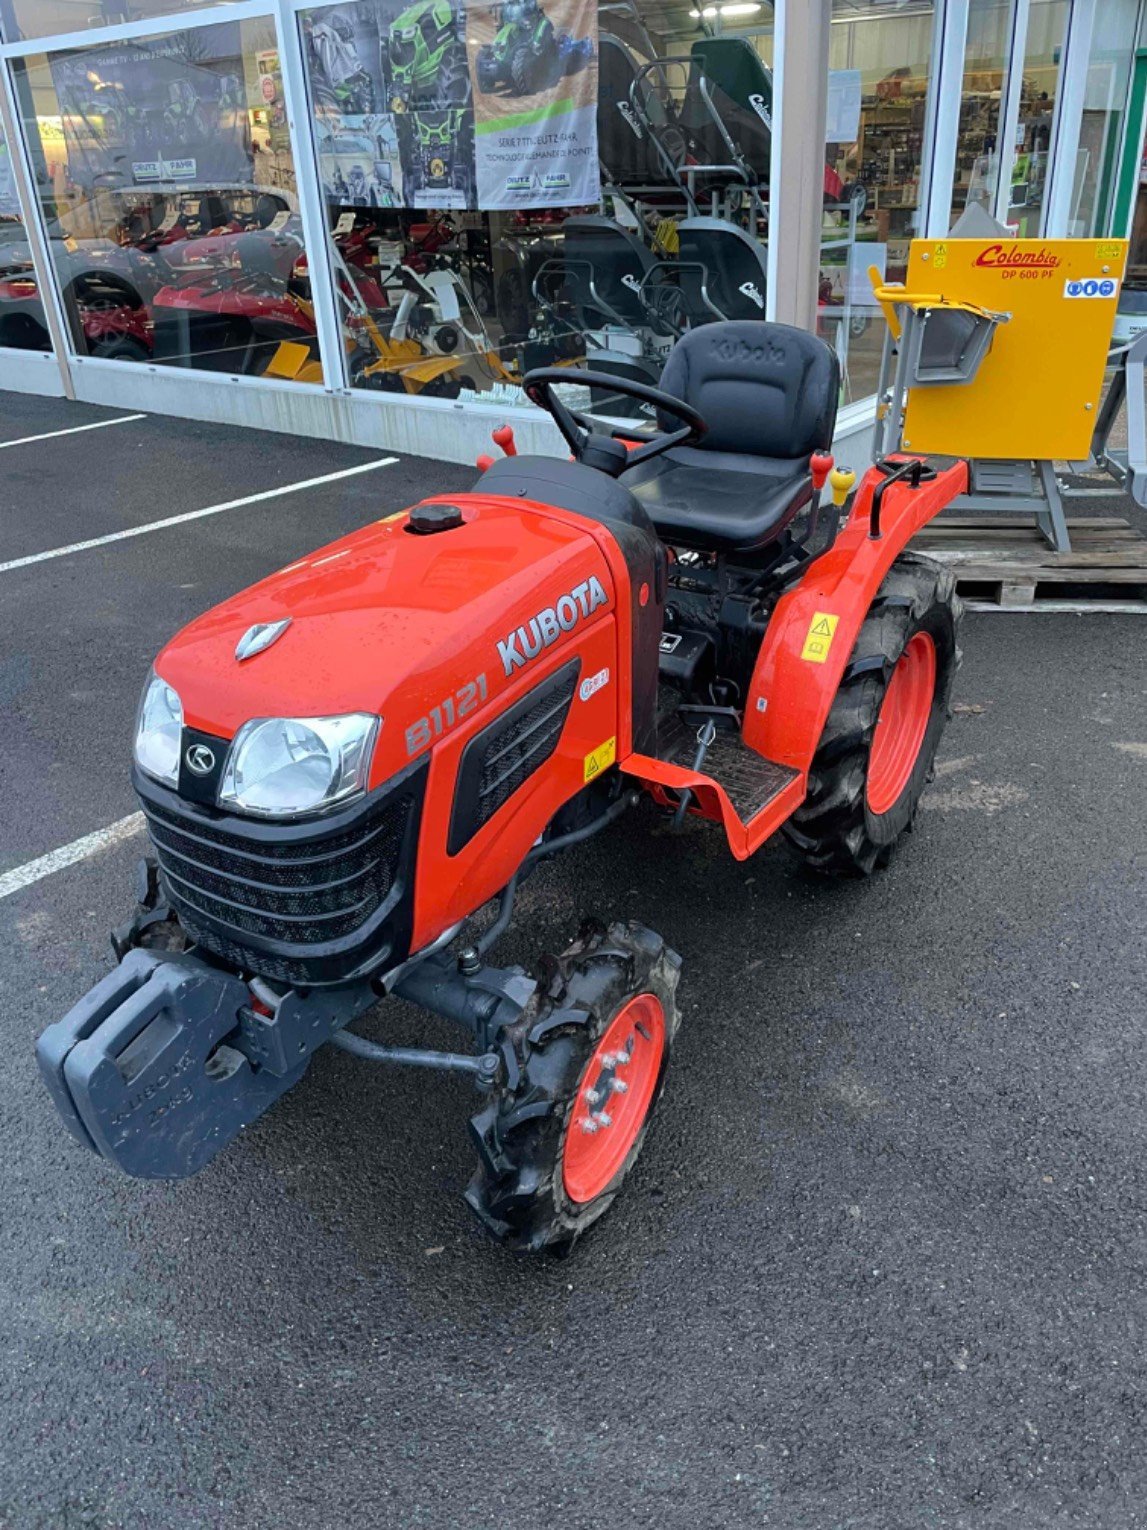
{"x":146,"y":1069}
{"x":748,"y":779}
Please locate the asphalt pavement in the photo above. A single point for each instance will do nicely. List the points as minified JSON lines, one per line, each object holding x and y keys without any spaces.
{"x":882,"y":1263}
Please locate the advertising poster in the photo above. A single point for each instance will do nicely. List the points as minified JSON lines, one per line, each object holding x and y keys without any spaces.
{"x":396,"y":74}
{"x":155,"y":112}
{"x":490,"y":105}
{"x":359,"y":162}
{"x":271,"y":101}
{"x":534,"y":66}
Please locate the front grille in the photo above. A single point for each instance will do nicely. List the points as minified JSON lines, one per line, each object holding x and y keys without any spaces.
{"x":289,"y":886}
{"x":503,"y":756}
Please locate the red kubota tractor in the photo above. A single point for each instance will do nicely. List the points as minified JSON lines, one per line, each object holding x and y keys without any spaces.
{"x":343,"y":765}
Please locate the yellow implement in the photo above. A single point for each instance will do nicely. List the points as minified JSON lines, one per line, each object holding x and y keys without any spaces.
{"x":1041,"y":312}
{"x":996,"y":352}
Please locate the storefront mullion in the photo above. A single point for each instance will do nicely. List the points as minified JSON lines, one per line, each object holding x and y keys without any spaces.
{"x":324,"y":294}
{"x":34,"y":326}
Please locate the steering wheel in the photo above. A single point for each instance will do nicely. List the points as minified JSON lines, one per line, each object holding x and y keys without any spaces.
{"x":578,"y":430}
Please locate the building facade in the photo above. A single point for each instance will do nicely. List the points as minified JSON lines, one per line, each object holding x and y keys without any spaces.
{"x":367,"y":220}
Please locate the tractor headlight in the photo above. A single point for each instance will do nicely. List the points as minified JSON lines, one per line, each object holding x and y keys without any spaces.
{"x":280,"y":767}
{"x":158,"y":731}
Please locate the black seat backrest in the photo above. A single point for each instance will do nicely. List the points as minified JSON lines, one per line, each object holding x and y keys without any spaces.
{"x":767,"y":390}
{"x":720,"y":261}
{"x":625,"y":143}
{"x":740,"y":88}
{"x":616,"y":260}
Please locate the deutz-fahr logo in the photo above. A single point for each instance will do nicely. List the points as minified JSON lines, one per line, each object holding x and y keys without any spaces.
{"x":526,"y":642}
{"x":1002,"y":257}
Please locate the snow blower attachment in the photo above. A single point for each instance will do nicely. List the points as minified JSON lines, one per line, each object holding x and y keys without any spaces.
{"x":345,"y":766}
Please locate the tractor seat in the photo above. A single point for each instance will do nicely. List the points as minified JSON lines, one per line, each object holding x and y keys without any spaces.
{"x":768,"y":393}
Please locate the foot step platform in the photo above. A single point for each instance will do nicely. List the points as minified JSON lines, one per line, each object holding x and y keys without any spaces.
{"x":748,"y":779}
{"x":1002,"y":563}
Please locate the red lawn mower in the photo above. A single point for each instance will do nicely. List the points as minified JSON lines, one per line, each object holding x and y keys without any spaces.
{"x":342,"y":766}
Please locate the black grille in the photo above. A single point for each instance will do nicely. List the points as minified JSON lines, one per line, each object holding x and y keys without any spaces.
{"x":503,"y":756}
{"x":295,"y":890}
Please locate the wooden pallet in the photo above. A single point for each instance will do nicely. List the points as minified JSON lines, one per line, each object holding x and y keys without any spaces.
{"x":1003,"y":563}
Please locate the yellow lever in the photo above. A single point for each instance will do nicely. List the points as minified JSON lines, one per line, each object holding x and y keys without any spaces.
{"x":841,"y":480}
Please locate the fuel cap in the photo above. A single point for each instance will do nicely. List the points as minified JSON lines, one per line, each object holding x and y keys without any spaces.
{"x":426,"y":519}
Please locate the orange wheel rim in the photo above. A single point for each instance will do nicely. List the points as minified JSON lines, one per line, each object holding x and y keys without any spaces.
{"x":614,"y":1094}
{"x":902,"y":723}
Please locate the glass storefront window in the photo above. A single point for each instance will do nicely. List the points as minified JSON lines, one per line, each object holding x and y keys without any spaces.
{"x":877,"y":101}
{"x":164,"y":172}
{"x":1030,"y":154}
{"x":1104,"y":113}
{"x":25,"y":20}
{"x":23,"y":325}
{"x":538,"y":182}
{"x":981,"y":102}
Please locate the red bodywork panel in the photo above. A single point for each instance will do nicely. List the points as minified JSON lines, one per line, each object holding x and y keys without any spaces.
{"x":408,"y":627}
{"x":791,"y":691}
{"x":797,"y":691}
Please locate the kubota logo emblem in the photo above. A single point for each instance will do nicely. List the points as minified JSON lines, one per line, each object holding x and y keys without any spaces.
{"x":527,"y":641}
{"x":200,"y":760}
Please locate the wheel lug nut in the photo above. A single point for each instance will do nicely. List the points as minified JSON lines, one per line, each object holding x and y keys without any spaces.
{"x":588,"y":1125}
{"x":619,"y":1086}
{"x":593,"y":1096}
{"x":602,"y":1118}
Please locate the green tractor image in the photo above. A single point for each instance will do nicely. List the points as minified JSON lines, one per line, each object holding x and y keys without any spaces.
{"x":425,"y":58}
{"x":527,"y":54}
{"x":437,"y":156}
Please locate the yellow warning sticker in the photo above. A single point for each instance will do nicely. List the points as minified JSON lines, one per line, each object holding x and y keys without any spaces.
{"x":1108,"y":251}
{"x":940,"y":259}
{"x":600,"y":759}
{"x":818,"y":638}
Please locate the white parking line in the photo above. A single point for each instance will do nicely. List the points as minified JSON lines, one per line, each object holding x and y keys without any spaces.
{"x":73,"y":430}
{"x":68,"y":855}
{"x":193,"y":515}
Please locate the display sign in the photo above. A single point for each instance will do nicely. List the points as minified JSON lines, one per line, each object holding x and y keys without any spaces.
{"x":145,"y":112}
{"x":433,"y":104}
{"x":535,"y":93}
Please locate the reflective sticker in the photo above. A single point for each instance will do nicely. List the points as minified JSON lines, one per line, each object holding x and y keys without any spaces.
{"x":600,"y":759}
{"x":818,"y":638}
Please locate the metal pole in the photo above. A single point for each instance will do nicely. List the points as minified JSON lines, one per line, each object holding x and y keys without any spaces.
{"x":1010,"y":110}
{"x":1063,"y":151}
{"x":943,"y":130}
{"x":312,"y":204}
{"x":797,"y":211}
{"x":30,"y":212}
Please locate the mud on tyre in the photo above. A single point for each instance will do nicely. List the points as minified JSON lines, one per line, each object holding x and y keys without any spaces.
{"x":583,"y":1070}
{"x":876,"y":753}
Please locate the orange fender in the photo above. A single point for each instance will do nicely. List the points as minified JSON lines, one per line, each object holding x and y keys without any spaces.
{"x":814,"y":627}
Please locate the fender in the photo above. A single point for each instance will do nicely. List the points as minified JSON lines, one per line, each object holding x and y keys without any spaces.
{"x":799,"y":670}
{"x":802,"y":668}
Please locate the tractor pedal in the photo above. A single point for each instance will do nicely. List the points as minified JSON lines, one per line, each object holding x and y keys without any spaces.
{"x":140,"y":1071}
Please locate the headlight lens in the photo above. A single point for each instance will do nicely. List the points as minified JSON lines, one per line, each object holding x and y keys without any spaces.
{"x":280,"y":767}
{"x":158,"y":731}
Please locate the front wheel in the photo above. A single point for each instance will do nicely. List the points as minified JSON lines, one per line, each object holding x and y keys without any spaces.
{"x":876,"y":753}
{"x":584,"y":1068}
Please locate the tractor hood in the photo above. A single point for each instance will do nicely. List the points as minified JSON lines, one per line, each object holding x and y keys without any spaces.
{"x":396,"y":623}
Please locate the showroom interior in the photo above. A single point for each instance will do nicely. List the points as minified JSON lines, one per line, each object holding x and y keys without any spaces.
{"x":366,"y":221}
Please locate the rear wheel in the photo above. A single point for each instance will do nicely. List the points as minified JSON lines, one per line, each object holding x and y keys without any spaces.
{"x":876,"y":753}
{"x":584,"y":1068}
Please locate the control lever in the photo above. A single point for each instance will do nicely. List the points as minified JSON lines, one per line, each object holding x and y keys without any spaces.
{"x":705,"y":736}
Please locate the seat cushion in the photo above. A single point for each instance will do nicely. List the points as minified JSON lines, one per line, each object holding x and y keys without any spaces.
{"x":728,"y":502}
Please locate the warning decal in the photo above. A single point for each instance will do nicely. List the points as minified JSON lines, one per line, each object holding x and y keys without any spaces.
{"x":818,"y":639}
{"x":600,"y":758}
